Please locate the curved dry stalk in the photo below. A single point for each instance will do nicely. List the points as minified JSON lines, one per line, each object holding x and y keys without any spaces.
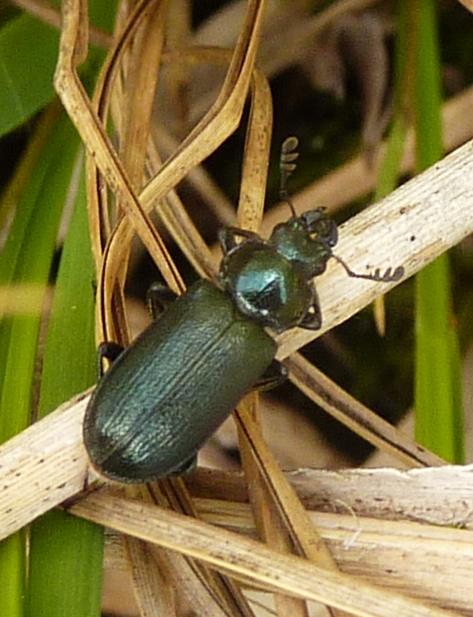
{"x":73,"y":50}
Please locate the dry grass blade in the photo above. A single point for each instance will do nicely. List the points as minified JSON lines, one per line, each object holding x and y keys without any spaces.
{"x":269,"y":491}
{"x":43,"y":466}
{"x":285,"y":502}
{"x":233,"y":553}
{"x":437,"y":495}
{"x":224,"y":590}
{"x":199,"y":587}
{"x":468,"y":4}
{"x":152,"y":593}
{"x":353,"y":414}
{"x":256,"y":155}
{"x":412,"y":226}
{"x":354,"y":179}
{"x":142,"y":38}
{"x":250,"y":215}
{"x":413,"y":558}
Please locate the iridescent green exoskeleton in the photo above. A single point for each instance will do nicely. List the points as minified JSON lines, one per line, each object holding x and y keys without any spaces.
{"x":176,"y":383}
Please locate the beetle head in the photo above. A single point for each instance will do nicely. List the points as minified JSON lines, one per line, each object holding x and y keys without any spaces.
{"x":306,"y":241}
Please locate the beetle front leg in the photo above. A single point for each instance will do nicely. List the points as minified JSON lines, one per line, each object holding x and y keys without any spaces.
{"x":158,"y":298}
{"x":228,"y":236}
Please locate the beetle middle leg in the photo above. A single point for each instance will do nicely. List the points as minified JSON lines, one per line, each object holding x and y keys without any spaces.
{"x":312,"y":320}
{"x":158,"y":298}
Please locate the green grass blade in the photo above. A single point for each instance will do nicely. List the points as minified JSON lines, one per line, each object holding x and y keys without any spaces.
{"x":27,"y":257}
{"x":28,"y":54}
{"x":439,"y":424}
{"x":66,"y":552}
{"x":391,"y":164}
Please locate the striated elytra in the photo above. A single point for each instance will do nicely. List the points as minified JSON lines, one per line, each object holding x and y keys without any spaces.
{"x":172,"y":388}
{"x":177,"y":382}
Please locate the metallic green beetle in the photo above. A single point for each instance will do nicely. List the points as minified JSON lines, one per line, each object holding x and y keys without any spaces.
{"x":166,"y":394}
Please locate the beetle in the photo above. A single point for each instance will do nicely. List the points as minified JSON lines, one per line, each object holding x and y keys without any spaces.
{"x":165,"y":395}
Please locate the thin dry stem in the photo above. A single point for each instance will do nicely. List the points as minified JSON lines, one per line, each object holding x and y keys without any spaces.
{"x":353,"y":414}
{"x":73,"y":50}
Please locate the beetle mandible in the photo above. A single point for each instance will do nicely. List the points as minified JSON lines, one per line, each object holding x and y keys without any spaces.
{"x":165,"y":395}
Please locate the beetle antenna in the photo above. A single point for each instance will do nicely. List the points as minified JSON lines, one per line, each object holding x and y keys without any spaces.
{"x":387,"y":276}
{"x":287,"y":165}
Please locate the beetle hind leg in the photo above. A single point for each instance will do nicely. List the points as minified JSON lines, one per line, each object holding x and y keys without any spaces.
{"x":274,"y":376}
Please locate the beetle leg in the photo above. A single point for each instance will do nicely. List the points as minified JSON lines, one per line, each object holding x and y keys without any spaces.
{"x":186,"y":467}
{"x":228,"y":235}
{"x":274,"y":375}
{"x":158,"y":298}
{"x":107,"y":350}
{"x":312,"y":320}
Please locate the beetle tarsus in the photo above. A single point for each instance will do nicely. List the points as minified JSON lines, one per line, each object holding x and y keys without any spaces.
{"x":387,"y":276}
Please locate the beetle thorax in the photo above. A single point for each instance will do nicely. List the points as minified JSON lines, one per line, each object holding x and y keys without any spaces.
{"x":266,"y":286}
